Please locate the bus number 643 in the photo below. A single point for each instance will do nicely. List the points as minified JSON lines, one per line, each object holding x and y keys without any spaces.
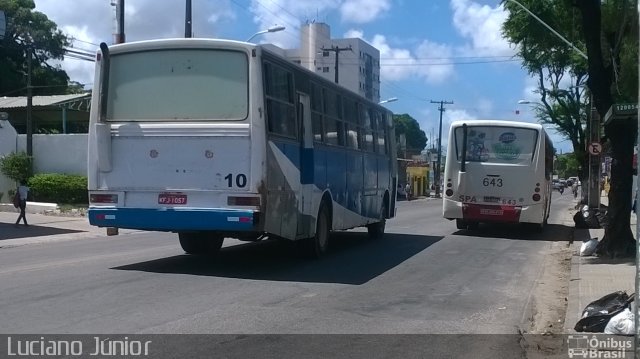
{"x":493,"y":182}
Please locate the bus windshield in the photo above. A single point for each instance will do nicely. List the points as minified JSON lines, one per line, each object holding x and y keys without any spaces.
{"x":178,"y":84}
{"x":497,"y":144}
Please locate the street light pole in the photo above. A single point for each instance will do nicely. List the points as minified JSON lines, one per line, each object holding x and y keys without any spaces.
{"x":271,"y":29}
{"x":391,"y":99}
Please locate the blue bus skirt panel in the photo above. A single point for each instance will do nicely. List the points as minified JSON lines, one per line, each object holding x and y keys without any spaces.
{"x":183,"y":219}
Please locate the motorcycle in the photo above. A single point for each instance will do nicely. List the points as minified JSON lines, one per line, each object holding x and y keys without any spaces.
{"x":561,"y":190}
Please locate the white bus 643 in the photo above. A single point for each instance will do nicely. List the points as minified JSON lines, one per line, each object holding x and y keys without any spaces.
{"x":216,"y":138}
{"x":497,"y":171}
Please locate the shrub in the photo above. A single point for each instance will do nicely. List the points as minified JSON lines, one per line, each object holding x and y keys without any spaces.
{"x":59,"y":188}
{"x":16,"y":166}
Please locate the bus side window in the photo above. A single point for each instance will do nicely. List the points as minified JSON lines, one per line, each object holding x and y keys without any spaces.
{"x":316,"y":124}
{"x":281,"y":115}
{"x":352,"y":136}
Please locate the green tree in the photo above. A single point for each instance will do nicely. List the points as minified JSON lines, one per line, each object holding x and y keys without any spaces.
{"x":30,"y":31}
{"x":407,"y":125}
{"x":559,"y":70}
{"x":608,"y":31}
{"x":567,"y":165}
{"x":16,"y":166}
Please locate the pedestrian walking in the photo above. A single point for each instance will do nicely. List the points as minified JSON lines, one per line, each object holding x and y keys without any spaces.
{"x":407,"y":189}
{"x":22,"y":192}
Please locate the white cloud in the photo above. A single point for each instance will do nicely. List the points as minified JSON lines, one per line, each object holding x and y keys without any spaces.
{"x":449,"y":116}
{"x":288,"y":13}
{"x":400,"y":64}
{"x":363,"y":11}
{"x":482,"y":24}
{"x":440,"y":69}
{"x":93,"y":22}
{"x":485,"y":106}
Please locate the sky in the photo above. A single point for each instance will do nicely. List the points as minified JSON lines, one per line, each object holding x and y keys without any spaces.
{"x":436,"y":50}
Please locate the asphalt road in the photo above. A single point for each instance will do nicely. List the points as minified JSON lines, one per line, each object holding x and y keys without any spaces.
{"x":423,"y":277}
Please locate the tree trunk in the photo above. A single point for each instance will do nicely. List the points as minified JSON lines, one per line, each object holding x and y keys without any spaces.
{"x":618,"y":239}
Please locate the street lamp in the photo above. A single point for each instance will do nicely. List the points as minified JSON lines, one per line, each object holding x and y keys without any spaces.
{"x":391,"y":99}
{"x":527,"y":102}
{"x":275,"y":28}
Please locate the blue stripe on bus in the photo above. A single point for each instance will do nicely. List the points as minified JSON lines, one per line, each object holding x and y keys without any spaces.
{"x":307,"y":161}
{"x":352,"y":176}
{"x":173,"y":219}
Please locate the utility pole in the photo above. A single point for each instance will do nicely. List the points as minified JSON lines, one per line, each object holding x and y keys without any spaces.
{"x":29,"y":103}
{"x":441,"y":109}
{"x":337,"y":50}
{"x":118,"y":37}
{"x":187,"y":20}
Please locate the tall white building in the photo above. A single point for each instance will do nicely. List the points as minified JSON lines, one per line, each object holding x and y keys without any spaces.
{"x":358,"y":62}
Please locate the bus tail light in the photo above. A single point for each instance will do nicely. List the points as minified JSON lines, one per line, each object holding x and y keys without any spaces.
{"x":103,"y":198}
{"x":536,"y":197}
{"x":243,"y":201}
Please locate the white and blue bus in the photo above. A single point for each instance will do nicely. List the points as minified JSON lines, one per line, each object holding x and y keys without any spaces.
{"x":498,"y":171}
{"x":216,"y":138}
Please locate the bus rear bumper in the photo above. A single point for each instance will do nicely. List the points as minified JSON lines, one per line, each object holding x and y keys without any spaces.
{"x":493,"y":213}
{"x":183,"y":219}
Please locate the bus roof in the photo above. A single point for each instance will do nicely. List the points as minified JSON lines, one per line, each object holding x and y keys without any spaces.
{"x":179,"y":43}
{"x":505,"y":123}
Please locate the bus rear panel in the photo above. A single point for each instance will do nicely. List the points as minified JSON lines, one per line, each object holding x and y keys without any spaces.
{"x":500,"y":174}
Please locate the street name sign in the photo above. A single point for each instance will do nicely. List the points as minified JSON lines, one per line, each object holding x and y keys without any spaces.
{"x":621,"y":111}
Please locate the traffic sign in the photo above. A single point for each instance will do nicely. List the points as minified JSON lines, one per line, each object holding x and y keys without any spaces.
{"x":595,"y":148}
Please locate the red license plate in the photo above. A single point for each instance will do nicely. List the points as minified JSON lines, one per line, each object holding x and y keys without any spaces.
{"x":491,"y":212}
{"x":172,"y":198}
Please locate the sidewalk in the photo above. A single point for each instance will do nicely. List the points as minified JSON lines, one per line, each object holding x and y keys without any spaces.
{"x":593,"y":277}
{"x":45,"y":228}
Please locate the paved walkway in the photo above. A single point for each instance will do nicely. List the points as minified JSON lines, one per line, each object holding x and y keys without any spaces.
{"x":45,"y":228}
{"x":593,"y":277}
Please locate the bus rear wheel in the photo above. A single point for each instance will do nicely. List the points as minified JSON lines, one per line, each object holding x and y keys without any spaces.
{"x":318,"y":245}
{"x":200,"y":242}
{"x":376,"y":230}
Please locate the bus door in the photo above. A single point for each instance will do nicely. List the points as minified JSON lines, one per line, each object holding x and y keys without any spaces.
{"x":306,"y":221}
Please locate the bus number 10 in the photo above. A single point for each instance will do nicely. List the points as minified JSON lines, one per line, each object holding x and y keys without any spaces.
{"x":493,"y":182}
{"x":241,"y":180}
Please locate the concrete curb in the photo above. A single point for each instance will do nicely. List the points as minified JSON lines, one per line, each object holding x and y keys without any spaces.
{"x":32,"y":207}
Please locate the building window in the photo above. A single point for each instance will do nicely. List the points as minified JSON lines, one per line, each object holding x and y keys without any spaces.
{"x":325,"y":69}
{"x":325,"y":53}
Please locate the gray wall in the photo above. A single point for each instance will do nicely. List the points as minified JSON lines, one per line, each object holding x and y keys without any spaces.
{"x":51,"y":153}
